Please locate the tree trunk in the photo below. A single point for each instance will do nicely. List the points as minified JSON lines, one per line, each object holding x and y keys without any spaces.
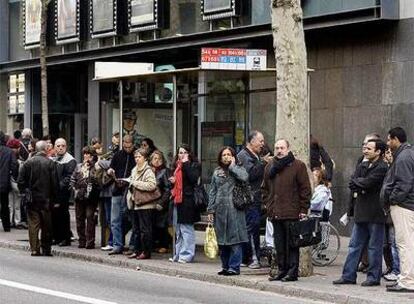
{"x":292,"y":118}
{"x":43,"y":67}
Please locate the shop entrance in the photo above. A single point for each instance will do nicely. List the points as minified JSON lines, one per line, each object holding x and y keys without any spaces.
{"x":207,"y":109}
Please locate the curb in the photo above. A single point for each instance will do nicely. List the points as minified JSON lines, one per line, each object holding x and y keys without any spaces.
{"x":286,"y":290}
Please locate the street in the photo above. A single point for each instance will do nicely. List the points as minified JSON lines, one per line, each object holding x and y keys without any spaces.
{"x":26,"y":279}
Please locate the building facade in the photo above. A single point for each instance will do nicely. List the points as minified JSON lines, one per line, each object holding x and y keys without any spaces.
{"x":361,"y":51}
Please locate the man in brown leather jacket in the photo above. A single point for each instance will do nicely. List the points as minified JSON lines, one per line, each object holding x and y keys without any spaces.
{"x":286,"y":194}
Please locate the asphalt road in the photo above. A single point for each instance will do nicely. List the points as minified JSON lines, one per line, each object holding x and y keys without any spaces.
{"x":45,"y":280}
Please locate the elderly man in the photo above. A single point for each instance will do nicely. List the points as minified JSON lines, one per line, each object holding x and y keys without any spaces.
{"x":66,"y":164}
{"x":250,"y":159}
{"x":398,"y":193}
{"x":39,"y":176}
{"x":8,"y":169}
{"x":286,"y":194}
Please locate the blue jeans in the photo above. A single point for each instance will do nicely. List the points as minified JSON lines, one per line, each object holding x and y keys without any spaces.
{"x":394,"y":251}
{"x":118,"y":210}
{"x":231,"y":257}
{"x":251,"y":250}
{"x":108,"y":206}
{"x":363,"y":234}
{"x":185,"y":240}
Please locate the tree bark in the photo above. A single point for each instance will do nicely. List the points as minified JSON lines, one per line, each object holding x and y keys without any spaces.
{"x":292,"y":118}
{"x":43,"y":67}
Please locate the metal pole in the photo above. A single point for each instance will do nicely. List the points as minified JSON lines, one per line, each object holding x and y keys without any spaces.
{"x":121,"y":109}
{"x":174,"y":96}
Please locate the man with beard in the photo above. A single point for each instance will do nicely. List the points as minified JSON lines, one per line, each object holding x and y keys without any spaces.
{"x":66,"y":164}
{"x":286,"y":194}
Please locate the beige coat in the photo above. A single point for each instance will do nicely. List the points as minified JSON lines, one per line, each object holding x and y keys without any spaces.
{"x":142,"y":179}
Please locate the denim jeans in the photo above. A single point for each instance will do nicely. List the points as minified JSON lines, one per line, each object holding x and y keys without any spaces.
{"x":185,"y":240}
{"x":231,"y":257}
{"x":363,"y":234}
{"x":251,"y":250}
{"x":108,"y":206}
{"x":394,"y":251}
{"x":118,"y":210}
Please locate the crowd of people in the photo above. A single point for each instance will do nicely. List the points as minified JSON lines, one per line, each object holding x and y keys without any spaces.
{"x":141,"y":194}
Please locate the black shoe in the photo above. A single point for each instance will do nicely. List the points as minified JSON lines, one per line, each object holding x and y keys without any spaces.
{"x":64,"y":243}
{"x":399,"y":288}
{"x":47,"y":254}
{"x":288,"y":278}
{"x":222,"y":272}
{"x":231,"y":273}
{"x":279,"y":277}
{"x":343,"y":282}
{"x":92,"y":246}
{"x":114,"y":252}
{"x":370,"y":283}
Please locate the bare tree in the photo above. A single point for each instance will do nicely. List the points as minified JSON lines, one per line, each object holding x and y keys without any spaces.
{"x":292,"y":118}
{"x":43,"y":67}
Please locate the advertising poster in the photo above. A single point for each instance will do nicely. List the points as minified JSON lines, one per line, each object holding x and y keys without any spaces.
{"x":103,"y":16}
{"x":67,"y":19}
{"x":12,"y":104}
{"x":12,"y":83}
{"x":212,"y":6}
{"x":33,"y":9}
{"x":142,"y":12}
{"x":20,"y":104}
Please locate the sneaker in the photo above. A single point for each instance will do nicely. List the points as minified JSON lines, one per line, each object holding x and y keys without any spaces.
{"x":243,"y":265}
{"x":172,"y":260}
{"x":391,"y":277}
{"x":254,"y":265}
{"x":107,"y":248}
{"x":182,"y":262}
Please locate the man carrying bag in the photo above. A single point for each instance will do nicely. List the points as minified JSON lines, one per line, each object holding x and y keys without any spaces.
{"x":286,"y":194}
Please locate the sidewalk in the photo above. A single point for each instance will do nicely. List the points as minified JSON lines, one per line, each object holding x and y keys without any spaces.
{"x":318,"y":287}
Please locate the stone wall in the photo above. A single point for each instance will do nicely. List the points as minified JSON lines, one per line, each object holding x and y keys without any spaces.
{"x":363,"y":82}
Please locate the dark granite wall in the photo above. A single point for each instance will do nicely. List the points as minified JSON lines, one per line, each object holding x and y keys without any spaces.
{"x":363,"y":82}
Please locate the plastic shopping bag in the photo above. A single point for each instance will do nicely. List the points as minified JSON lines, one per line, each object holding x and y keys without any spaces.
{"x":210,"y":242}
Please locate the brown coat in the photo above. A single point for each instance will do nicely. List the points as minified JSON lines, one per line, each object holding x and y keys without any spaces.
{"x":289,"y":193}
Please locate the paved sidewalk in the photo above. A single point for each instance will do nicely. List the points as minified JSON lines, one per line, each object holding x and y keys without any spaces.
{"x":318,"y":287}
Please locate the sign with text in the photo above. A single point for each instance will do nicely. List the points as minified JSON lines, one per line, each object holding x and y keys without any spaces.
{"x":233,"y":59}
{"x":217,"y":9}
{"x":143,"y":15}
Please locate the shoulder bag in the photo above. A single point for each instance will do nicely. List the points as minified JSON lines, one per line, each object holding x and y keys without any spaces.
{"x":142,"y":197}
{"x":242,"y":196}
{"x":200,"y":197}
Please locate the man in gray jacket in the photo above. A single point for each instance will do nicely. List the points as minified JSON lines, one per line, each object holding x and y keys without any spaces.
{"x":398,"y":193}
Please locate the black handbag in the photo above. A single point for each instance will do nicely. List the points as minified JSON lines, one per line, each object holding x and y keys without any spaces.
{"x":200,"y":197}
{"x":304,"y":233}
{"x":242,"y":195}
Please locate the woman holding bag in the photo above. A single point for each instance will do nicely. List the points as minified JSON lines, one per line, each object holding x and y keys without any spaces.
{"x":187,"y":171}
{"x":142,"y":180}
{"x":229,"y":222}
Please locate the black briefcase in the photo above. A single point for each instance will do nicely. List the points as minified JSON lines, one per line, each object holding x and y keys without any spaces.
{"x":304,"y":233}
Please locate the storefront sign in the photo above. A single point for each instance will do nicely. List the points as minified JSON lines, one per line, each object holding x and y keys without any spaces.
{"x":233,"y":59}
{"x":110,"y":70}
{"x":217,"y":9}
{"x":32,"y":10}
{"x":67,"y":19}
{"x":103,"y":14}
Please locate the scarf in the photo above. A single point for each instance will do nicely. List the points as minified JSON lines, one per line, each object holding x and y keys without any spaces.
{"x":177,"y":190}
{"x":279,"y":164}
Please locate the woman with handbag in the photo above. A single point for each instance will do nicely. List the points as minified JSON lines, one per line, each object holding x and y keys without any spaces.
{"x":161,"y":237}
{"x":187,"y":172}
{"x":86,"y":189}
{"x":142,"y":197}
{"x":321,"y":202}
{"x":229,"y":221}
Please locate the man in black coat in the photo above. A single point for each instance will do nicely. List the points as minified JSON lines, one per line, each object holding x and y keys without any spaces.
{"x":8,"y":168}
{"x":39,"y":175}
{"x":369,"y":215}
